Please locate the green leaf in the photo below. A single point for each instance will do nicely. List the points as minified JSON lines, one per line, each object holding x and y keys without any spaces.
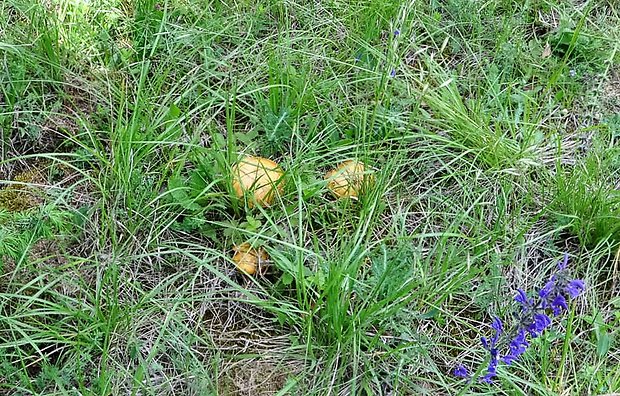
{"x":566,"y":37}
{"x":178,"y":190}
{"x":219,"y":141}
{"x":197,"y":182}
{"x":247,"y":138}
{"x":287,"y":279}
{"x":210,"y":233}
{"x":603,"y":344}
{"x":282,"y":319}
{"x":430,"y":314}
{"x":252,"y":223}
{"x":174,"y":111}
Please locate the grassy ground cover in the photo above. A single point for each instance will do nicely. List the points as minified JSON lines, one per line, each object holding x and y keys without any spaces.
{"x":492,"y":131}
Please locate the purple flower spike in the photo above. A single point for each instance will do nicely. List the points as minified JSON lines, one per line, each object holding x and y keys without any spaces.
{"x":521,"y":298}
{"x":532,"y":316}
{"x":393,"y":73}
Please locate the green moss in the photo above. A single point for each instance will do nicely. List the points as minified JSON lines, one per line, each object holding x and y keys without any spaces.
{"x":19,"y":197}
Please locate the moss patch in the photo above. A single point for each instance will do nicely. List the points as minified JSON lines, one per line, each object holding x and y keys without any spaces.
{"x":20,"y":195}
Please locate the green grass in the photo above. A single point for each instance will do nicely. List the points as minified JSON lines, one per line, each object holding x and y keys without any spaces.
{"x":492,"y":158}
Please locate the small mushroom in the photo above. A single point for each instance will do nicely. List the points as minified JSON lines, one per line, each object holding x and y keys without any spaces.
{"x":259,"y":178}
{"x":349,"y":179}
{"x":249,"y":260}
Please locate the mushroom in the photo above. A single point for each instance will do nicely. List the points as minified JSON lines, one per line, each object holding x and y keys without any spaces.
{"x":349,"y":179}
{"x":259,"y":176}
{"x":249,"y":260}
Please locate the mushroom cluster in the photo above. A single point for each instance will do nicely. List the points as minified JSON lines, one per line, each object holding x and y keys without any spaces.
{"x":259,"y":181}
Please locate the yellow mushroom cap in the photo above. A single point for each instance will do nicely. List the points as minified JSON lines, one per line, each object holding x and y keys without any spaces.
{"x":250,"y":260}
{"x":258,"y":176}
{"x":348,"y":179}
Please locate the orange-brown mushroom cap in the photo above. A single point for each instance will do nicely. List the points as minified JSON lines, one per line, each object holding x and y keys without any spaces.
{"x":250,"y":260}
{"x":348,"y":179}
{"x":257,"y":179}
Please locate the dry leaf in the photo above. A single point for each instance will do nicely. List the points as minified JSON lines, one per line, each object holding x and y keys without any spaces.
{"x":546,"y":51}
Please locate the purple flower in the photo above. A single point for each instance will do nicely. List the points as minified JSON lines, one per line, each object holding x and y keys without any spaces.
{"x":509,"y":359}
{"x":393,"y":73}
{"x":575,"y":287}
{"x":460,"y":371}
{"x":517,"y":346}
{"x":553,"y":294}
{"x":521,"y":297}
{"x":526,"y":303}
{"x":547,"y":290}
{"x":498,"y":327}
{"x":539,"y":324}
{"x":551,"y":298}
{"x":396,"y":32}
{"x":558,"y":304}
{"x":492,"y":368}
